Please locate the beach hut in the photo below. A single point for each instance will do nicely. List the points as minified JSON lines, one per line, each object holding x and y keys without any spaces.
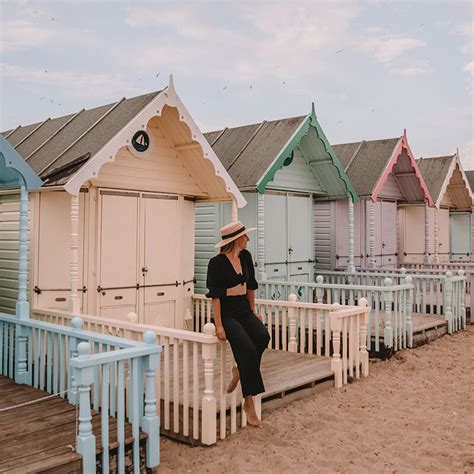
{"x":281,"y":167}
{"x":112,"y":230}
{"x":385,"y":175}
{"x":449,"y":238}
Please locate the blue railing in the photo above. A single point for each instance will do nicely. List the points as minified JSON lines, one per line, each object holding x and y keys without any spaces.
{"x":91,"y":370}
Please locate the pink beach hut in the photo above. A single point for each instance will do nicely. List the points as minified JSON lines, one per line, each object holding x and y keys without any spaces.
{"x":386,"y":176}
{"x":112,"y":230}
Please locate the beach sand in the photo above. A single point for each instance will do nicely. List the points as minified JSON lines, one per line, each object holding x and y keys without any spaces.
{"x":414,"y":413}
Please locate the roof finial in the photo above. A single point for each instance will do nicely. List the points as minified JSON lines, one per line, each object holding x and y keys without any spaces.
{"x":171,"y":84}
{"x":457,"y":152}
{"x":313,"y":111}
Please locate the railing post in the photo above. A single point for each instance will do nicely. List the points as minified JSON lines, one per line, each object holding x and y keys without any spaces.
{"x":403,"y":274}
{"x":388,"y":330}
{"x":85,"y":440}
{"x":292,"y":343}
{"x":209,"y":404}
{"x":448,"y":300}
{"x":409,"y":311}
{"x":150,"y":420}
{"x":462,"y":274}
{"x":76,"y":324}
{"x":350,"y":242}
{"x":21,"y":366}
{"x":336,"y":361}
{"x":319,"y":290}
{"x":22,"y":305}
{"x":364,"y":355}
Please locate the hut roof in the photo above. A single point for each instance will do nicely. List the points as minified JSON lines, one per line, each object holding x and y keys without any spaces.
{"x":70,"y":150}
{"x":252,"y":154}
{"x":444,"y":174}
{"x":369,"y":162}
{"x":470,"y":177}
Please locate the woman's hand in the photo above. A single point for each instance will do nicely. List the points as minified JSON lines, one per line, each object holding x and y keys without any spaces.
{"x":220,"y":333}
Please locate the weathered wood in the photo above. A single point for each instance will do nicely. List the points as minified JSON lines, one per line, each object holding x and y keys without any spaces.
{"x":44,"y":439}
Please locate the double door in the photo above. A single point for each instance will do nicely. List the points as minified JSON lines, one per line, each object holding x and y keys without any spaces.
{"x":385,"y":233}
{"x":140,"y":256}
{"x":288,"y":239}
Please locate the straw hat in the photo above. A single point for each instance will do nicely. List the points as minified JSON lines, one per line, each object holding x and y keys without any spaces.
{"x":231,"y":232}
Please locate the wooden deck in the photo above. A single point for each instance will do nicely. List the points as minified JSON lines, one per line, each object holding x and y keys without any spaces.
{"x":40,"y":437}
{"x":284,"y":373}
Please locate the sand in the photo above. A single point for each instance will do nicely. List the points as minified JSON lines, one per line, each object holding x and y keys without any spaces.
{"x":414,"y":413}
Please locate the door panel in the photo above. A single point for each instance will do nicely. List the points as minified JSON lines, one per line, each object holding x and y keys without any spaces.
{"x":389,"y":233}
{"x":188,"y":240}
{"x":299,"y":225}
{"x":161,"y":246}
{"x":118,"y":253}
{"x":413,"y":230}
{"x":443,"y":236}
{"x":275,"y":228}
{"x":160,"y":306}
{"x":460,"y":224}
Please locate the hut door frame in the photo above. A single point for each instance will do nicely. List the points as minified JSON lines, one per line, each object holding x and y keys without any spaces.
{"x":459,"y":256}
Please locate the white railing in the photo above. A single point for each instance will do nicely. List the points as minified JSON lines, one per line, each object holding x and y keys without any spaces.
{"x":67,"y":361}
{"x":193,"y":364}
{"x":440,"y":294}
{"x":390,"y":305}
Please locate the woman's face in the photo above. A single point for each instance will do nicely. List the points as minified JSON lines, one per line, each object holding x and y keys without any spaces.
{"x":242,"y":242}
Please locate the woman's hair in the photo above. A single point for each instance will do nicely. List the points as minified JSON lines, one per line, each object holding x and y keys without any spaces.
{"x":228,"y":247}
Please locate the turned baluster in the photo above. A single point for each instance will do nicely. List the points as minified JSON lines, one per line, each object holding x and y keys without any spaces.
{"x":209,"y":404}
{"x":292,"y":344}
{"x":364,"y":355}
{"x":463,"y":298}
{"x":336,"y":361}
{"x":448,"y":300}
{"x":409,"y":311}
{"x":388,"y":330}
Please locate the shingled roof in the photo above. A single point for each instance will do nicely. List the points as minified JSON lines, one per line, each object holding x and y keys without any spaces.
{"x":444,"y":174}
{"x":365,"y":161}
{"x":252,"y":154}
{"x":470,"y":177}
{"x":56,"y":148}
{"x":434,"y":171}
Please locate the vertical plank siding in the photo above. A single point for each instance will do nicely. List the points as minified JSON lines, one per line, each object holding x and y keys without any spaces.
{"x":323,"y":235}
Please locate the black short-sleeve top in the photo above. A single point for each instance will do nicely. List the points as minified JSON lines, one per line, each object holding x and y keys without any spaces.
{"x":221,"y":275}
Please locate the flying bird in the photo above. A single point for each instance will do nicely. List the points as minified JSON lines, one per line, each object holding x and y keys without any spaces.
{"x":224,"y":88}
{"x":157,"y":74}
{"x":250,"y":86}
{"x":339,"y":51}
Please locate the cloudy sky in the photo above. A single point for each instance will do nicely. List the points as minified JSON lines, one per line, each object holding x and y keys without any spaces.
{"x":372,"y":67}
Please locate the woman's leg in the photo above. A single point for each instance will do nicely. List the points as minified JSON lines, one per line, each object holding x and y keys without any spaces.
{"x":246,"y":355}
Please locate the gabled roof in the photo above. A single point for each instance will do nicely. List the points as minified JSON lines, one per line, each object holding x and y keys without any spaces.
{"x":470,"y":177}
{"x":13,"y":169}
{"x":444,"y":174}
{"x":252,"y":154}
{"x":369,"y":163}
{"x":70,"y":150}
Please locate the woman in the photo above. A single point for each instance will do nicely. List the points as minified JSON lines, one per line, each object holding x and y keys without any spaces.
{"x":231,"y":283}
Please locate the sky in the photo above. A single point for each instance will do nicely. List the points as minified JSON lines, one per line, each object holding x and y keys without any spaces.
{"x":372,"y":68}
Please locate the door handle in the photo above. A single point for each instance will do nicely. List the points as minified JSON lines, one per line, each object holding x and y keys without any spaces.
{"x":144,"y":269}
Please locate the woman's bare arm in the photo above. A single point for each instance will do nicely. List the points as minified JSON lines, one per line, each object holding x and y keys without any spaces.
{"x":216,"y":309}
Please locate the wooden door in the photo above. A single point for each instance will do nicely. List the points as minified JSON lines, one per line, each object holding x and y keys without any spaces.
{"x":413,"y":234}
{"x":54,"y":250}
{"x":389,"y":233}
{"x":276,"y":243}
{"x":460,"y":227}
{"x":299,"y":233}
{"x":118,"y":277}
{"x":443,"y":235}
{"x":159,"y":269}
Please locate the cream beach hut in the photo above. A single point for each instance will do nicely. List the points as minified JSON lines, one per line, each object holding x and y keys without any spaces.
{"x":385,"y":175}
{"x":112,"y":230}
{"x":449,"y":221}
{"x":281,"y":167}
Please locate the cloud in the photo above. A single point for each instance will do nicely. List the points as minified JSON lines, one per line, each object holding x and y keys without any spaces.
{"x":412,"y":69}
{"x":84,"y":86}
{"x":287,"y":41}
{"x":385,"y":48}
{"x":469,"y":68}
{"x":21,"y":34}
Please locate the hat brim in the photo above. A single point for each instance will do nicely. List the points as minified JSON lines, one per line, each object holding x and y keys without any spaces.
{"x":235,"y":237}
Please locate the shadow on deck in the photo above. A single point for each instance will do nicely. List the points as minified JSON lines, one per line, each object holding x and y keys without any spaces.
{"x":40,"y":437}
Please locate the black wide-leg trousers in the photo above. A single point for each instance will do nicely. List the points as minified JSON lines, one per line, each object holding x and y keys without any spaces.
{"x":248,"y":338}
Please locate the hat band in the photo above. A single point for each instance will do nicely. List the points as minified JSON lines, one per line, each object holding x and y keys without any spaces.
{"x":233,"y":234}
